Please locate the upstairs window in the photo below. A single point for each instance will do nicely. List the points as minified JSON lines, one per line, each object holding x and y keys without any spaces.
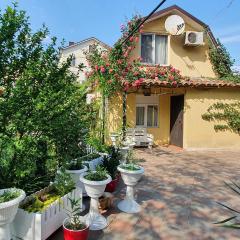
{"x":91,"y":48}
{"x":73,"y":62}
{"x":154,"y":49}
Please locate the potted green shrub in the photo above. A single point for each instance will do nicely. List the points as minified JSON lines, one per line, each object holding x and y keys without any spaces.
{"x":74,"y":228}
{"x":75,"y":168}
{"x":92,"y":160}
{"x":95,"y":183}
{"x":9,"y":201}
{"x":131,"y":173}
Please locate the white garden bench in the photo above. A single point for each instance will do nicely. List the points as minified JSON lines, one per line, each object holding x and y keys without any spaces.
{"x":139,"y":137}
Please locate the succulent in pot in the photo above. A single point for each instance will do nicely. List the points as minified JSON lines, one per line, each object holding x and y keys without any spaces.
{"x":74,"y":228}
{"x":9,"y":201}
{"x":131,"y":173}
{"x":95,"y":183}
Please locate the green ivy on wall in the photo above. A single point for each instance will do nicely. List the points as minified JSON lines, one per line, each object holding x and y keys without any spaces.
{"x":222,"y":62}
{"x":227,"y":116}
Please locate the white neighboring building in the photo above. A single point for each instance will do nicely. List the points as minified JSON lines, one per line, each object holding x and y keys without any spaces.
{"x":77,"y":50}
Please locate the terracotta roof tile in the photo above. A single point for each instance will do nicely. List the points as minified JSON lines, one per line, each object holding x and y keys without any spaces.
{"x":193,"y":82}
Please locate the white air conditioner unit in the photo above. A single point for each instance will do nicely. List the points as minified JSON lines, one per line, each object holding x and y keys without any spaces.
{"x":194,"y":38}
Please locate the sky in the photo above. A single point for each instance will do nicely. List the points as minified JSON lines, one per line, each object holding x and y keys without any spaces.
{"x":75,"y":20}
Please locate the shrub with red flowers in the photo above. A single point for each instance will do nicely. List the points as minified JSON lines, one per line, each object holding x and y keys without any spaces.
{"x":115,"y":71}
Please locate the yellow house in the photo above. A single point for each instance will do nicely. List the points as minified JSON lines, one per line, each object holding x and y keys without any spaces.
{"x":174,"y":115}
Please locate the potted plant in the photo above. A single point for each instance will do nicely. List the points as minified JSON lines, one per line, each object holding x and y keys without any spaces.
{"x":9,"y":201}
{"x":43,"y":212}
{"x":95,"y":183}
{"x":110,"y":163}
{"x":131,"y":173}
{"x":75,"y":168}
{"x":114,"y":138}
{"x":73,"y":226}
{"x":92,"y":160}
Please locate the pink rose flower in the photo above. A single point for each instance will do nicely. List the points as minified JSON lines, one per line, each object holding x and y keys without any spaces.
{"x":131,"y":39}
{"x":102,"y":69}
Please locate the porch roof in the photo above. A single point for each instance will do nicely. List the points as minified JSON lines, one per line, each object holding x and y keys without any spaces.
{"x":193,"y":82}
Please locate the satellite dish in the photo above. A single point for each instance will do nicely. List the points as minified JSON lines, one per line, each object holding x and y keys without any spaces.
{"x":175,"y":25}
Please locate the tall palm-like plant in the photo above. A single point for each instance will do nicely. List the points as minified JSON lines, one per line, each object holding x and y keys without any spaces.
{"x":234,"y":220}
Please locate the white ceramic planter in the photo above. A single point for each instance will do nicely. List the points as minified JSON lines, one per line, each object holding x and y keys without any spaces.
{"x":94,"y":163}
{"x":95,"y":189}
{"x":8,"y":211}
{"x":130,"y":178}
{"x":114,"y":138}
{"x":39,"y":226}
{"x":75,"y":174}
{"x":124,"y":152}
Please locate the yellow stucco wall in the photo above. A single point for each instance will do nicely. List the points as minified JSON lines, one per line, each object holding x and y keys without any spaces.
{"x":199,"y":133}
{"x":191,"y":61}
{"x":160,"y":133}
{"x":114,"y":114}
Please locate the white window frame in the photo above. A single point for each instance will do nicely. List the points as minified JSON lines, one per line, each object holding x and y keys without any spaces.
{"x":153,"y":46}
{"x":145,"y":105}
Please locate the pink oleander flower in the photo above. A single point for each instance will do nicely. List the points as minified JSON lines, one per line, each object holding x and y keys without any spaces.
{"x":131,"y":39}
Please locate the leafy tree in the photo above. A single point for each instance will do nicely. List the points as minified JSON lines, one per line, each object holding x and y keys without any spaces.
{"x":43,"y":114}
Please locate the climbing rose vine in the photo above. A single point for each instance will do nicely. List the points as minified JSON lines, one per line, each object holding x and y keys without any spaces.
{"x":116,"y":70}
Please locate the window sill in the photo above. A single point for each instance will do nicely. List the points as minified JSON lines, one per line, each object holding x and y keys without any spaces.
{"x":154,"y":65}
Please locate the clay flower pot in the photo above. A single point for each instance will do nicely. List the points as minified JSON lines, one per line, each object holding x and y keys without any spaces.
{"x":8,"y":211}
{"x":74,"y":234}
{"x":95,"y":189}
{"x":111,"y":187}
{"x":130,"y":178}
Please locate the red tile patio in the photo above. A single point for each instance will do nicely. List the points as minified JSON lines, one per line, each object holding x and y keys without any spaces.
{"x":178,"y":194}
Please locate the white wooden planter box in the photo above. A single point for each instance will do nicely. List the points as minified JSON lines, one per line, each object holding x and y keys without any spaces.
{"x":39,"y":226}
